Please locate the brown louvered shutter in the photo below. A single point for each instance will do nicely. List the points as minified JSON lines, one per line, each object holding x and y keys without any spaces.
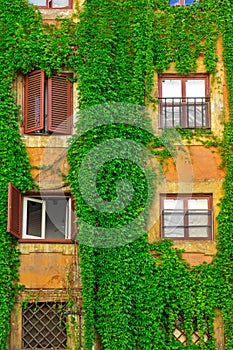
{"x":34,"y":101}
{"x":14,"y":224}
{"x":59,"y":104}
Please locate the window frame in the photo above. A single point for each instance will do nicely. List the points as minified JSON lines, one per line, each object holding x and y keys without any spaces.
{"x":17,"y":217}
{"x":49,"y":5}
{"x":45,"y":117}
{"x":183,"y":99}
{"x":185,"y":198}
{"x":181,"y":3}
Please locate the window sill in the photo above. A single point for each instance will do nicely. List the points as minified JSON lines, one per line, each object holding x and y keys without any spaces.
{"x":65,"y":248}
{"x":54,"y":241}
{"x":46,"y":140}
{"x":52,"y":14}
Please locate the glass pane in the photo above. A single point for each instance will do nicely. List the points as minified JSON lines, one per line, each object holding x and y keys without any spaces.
{"x":177,"y":204}
{"x":34,"y":218}
{"x":195,"y":88}
{"x":38,"y":2}
{"x":171,"y":88}
{"x":174,"y":233}
{"x":171,"y":116}
{"x":55,"y":218}
{"x":174,"y":2}
{"x":196,"y":115}
{"x":198,"y":203}
{"x":201,"y":232}
{"x":174,"y":219}
{"x":198,"y":218}
{"x":60,"y":3}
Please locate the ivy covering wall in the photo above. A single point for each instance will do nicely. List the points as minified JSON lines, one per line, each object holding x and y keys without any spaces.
{"x":131,"y":298}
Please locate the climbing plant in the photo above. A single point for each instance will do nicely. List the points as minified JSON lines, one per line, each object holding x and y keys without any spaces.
{"x":132,"y":298}
{"x":133,"y":292}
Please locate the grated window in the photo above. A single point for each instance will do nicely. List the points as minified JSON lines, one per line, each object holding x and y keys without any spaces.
{"x":179,"y":333}
{"x":44,"y":326}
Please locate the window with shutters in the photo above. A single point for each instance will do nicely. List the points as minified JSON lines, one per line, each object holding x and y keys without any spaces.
{"x":186,"y":216}
{"x":48,"y":103}
{"x":53,"y":4}
{"x":184,"y":101}
{"x":41,"y":216}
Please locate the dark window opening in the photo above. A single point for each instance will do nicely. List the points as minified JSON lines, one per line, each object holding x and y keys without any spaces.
{"x":41,"y":216}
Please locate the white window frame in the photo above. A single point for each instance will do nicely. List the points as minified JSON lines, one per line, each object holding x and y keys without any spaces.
{"x":43,"y":218}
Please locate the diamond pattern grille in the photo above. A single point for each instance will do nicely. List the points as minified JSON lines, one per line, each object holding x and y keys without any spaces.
{"x":179,"y":333}
{"x":44,"y":326}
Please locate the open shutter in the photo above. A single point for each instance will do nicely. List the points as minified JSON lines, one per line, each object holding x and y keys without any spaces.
{"x":14,"y":224}
{"x":34,"y":102}
{"x":59,"y":104}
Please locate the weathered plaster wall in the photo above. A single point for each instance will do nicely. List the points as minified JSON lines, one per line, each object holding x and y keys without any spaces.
{"x":47,"y":266}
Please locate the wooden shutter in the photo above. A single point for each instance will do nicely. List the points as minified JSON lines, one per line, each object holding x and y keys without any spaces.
{"x":59,"y":104}
{"x":34,"y":101}
{"x":14,"y":224}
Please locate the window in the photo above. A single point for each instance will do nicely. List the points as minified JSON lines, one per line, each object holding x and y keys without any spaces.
{"x":179,"y":330}
{"x":181,"y":2}
{"x":184,"y":101}
{"x":47,"y":103}
{"x":55,"y":4}
{"x":40,"y":216}
{"x":44,"y":326}
{"x":186,"y":216}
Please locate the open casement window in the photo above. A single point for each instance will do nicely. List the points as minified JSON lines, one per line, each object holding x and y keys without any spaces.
{"x":184,"y":101}
{"x":54,"y":4}
{"x":48,"y":103}
{"x":181,"y":2}
{"x":41,"y":216}
{"x":186,"y":216}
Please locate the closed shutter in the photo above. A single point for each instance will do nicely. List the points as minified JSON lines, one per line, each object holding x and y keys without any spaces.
{"x":59,"y":104}
{"x":34,"y":102}
{"x":14,"y":224}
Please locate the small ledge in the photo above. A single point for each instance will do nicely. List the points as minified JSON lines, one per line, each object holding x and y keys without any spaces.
{"x":52,"y":14}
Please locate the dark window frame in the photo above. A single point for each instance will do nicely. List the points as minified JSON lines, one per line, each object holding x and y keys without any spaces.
{"x":186,"y":197}
{"x":47,"y":104}
{"x":49,"y":5}
{"x":16,"y":214}
{"x":183,"y":102}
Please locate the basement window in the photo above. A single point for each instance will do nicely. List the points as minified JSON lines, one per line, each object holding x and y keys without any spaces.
{"x":44,"y":326}
{"x":179,"y":330}
{"x":186,"y":217}
{"x":52,"y":4}
{"x":41,"y":216}
{"x":48,"y":103}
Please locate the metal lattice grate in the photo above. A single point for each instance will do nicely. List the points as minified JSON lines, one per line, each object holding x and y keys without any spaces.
{"x":180,"y":335}
{"x":44,"y":326}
